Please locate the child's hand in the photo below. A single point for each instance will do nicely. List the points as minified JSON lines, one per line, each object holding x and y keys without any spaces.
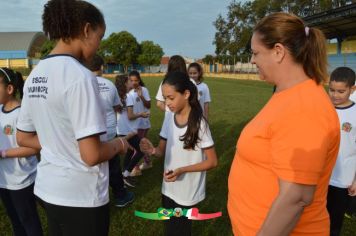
{"x":146,"y":146}
{"x":145,"y":114}
{"x":172,"y":175}
{"x":352,"y":189}
{"x":119,"y":109}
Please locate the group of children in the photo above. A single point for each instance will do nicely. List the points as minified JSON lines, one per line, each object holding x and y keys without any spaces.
{"x":126,"y":105}
{"x":81,"y":157}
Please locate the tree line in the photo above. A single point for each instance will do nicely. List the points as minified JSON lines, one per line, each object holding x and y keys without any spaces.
{"x":122,"y":48}
{"x":233,"y":32}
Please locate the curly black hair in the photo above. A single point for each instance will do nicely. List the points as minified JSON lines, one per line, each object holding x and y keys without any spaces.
{"x":65,"y":19}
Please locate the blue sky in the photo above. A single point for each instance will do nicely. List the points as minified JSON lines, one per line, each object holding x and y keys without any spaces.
{"x":179,"y":26}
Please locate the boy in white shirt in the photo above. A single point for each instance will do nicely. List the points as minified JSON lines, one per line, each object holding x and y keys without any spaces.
{"x":343,"y":182}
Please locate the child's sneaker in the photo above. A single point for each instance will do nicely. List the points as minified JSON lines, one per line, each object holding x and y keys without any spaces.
{"x":135,"y":172}
{"x":128,"y":181}
{"x":128,"y":198}
{"x":145,"y":166}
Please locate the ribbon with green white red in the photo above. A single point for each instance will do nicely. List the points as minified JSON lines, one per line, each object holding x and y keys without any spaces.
{"x":166,"y":214}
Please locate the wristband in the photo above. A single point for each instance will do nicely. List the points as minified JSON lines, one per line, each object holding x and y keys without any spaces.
{"x":122,"y":143}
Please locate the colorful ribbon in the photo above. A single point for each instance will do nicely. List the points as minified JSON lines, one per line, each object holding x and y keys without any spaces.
{"x":166,"y":214}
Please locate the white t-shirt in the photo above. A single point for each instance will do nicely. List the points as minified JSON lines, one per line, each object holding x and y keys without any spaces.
{"x":204,"y":94}
{"x":15,"y":173}
{"x":189,"y":188}
{"x":61,"y":103}
{"x":124,"y":125}
{"x":110,"y":98}
{"x":130,"y":102}
{"x":138,"y":106}
{"x":345,"y":168}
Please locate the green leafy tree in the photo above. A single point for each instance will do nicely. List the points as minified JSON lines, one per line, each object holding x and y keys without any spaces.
{"x":208,"y":59}
{"x":151,"y":54}
{"x":121,"y":48}
{"x":233,"y":33}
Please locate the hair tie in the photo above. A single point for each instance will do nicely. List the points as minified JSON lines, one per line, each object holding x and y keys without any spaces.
{"x":7,"y":76}
{"x":307,"y":30}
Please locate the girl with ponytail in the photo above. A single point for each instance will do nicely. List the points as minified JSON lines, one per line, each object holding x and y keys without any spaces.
{"x":188,"y":148}
{"x":279,"y":177}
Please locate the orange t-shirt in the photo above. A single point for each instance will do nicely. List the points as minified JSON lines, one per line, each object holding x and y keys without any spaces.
{"x":295,"y":137}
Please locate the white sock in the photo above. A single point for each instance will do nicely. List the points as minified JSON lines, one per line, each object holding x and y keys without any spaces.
{"x":126,"y":173}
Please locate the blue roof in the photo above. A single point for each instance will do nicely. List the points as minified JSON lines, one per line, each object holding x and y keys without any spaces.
{"x":13,"y":54}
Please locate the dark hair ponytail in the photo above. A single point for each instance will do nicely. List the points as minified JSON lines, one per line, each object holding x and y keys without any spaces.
{"x":65,"y":19}
{"x":136,"y":74}
{"x":10,"y":77}
{"x":19,"y":83}
{"x":177,"y":63}
{"x":181,"y":82}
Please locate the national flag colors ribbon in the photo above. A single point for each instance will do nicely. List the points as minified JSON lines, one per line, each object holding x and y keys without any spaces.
{"x":166,"y":214}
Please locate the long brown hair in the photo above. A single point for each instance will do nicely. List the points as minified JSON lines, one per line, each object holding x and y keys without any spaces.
{"x":181,"y":82}
{"x":177,"y":63}
{"x":306,"y":45}
{"x":120,"y":83}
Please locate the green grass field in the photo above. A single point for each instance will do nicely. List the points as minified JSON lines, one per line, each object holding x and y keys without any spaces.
{"x":235,"y":102}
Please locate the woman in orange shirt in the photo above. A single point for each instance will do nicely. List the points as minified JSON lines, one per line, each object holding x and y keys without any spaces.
{"x":279,"y":177}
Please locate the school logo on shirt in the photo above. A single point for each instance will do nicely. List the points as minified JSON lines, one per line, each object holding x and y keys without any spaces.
{"x":347,"y":127}
{"x":138,"y":99}
{"x":8,"y":130}
{"x":200,"y":93}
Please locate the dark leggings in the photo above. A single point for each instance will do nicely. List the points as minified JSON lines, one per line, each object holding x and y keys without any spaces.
{"x":74,"y":221}
{"x":133,"y":157}
{"x":176,"y":226}
{"x":116,"y":180}
{"x":337,"y":203}
{"x":21,"y":208}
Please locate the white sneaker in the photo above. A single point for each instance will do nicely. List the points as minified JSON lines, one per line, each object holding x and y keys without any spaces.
{"x":135,"y":172}
{"x":145,"y":166}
